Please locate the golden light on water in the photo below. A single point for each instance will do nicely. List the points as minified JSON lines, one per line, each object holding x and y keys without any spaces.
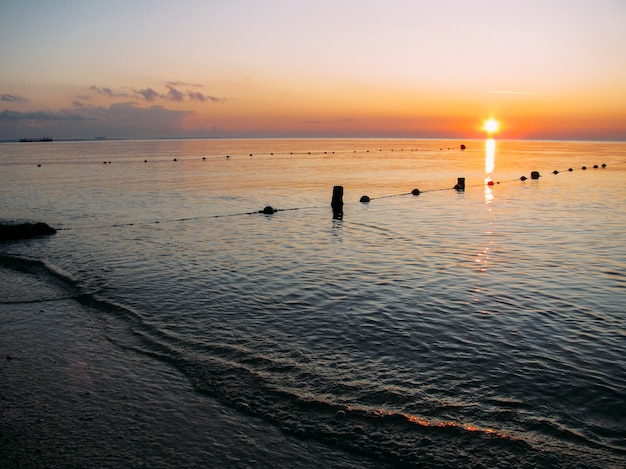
{"x":490,"y":163}
{"x":490,"y":156}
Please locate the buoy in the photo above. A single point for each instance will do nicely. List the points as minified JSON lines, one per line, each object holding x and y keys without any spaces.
{"x":175,"y":159}
{"x":604,"y":165}
{"x":365,"y":199}
{"x":571,"y":169}
{"x":39,"y":166}
{"x":204,"y":157}
{"x":555,"y":171}
{"x":535,"y":175}
{"x":268,"y":210}
{"x":145,"y":161}
{"x":415,"y":192}
{"x":583,"y":168}
{"x":462,"y":147}
{"x":490,"y":183}
{"x":595,"y":166}
{"x":523,"y":178}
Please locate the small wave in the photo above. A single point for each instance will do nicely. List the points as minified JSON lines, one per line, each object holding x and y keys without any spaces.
{"x":275,"y":391}
{"x":37,"y":301}
{"x":43,"y":271}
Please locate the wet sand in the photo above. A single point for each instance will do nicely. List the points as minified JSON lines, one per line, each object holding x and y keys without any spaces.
{"x":70,"y":397}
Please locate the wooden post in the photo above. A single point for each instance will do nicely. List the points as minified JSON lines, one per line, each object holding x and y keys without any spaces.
{"x":337,"y":202}
{"x":460,"y":185}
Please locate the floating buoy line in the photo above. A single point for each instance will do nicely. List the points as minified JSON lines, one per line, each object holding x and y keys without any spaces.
{"x":269,"y":210}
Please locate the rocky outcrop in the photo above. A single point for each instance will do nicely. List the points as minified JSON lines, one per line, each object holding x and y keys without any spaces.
{"x":25,"y":231}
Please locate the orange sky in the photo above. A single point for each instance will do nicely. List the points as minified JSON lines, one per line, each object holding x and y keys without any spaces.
{"x":549,"y":70}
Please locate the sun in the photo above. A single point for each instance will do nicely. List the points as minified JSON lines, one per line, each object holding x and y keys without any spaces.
{"x":491,"y":125}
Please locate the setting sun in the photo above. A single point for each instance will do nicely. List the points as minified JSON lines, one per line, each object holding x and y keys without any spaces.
{"x":491,"y":126}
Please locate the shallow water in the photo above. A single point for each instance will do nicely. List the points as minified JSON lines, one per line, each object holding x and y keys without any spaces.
{"x":483,"y":326}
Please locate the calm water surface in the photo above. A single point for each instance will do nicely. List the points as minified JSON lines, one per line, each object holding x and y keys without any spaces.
{"x":484,"y":326}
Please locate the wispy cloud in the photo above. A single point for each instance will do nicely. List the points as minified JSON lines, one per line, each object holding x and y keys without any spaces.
{"x":13,"y":98}
{"x":119,"y":120}
{"x":178,"y":91}
{"x":183,"y":84}
{"x":63,"y":114}
{"x":197,"y":96}
{"x":107,"y":92}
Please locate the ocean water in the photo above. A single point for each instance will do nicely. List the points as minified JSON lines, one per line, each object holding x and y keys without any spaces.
{"x":465,"y":328}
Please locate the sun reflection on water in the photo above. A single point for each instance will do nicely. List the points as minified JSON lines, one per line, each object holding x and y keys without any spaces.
{"x":490,"y":155}
{"x":490,"y":163}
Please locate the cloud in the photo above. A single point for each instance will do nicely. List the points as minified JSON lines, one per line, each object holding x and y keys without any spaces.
{"x":174,"y":91}
{"x":148,"y":94}
{"x":63,"y":114}
{"x":13,"y":98}
{"x":119,"y":120}
{"x":197,"y":96}
{"x":107,"y":92}
{"x":174,"y":94}
{"x":183,"y":84}
{"x":338,"y":121}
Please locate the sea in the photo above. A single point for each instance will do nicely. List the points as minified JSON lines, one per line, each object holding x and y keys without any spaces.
{"x":475,"y":327}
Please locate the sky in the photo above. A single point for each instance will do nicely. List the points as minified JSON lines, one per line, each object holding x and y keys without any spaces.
{"x":545,"y":69}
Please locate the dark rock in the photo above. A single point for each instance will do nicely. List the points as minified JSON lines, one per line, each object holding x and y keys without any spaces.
{"x":25,"y":231}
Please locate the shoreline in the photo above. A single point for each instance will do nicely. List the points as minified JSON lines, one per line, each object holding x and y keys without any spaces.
{"x":70,"y":397}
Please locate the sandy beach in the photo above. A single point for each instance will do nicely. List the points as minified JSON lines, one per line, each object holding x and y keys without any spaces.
{"x":69,"y":397}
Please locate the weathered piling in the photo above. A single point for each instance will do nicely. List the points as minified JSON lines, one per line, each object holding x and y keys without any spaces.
{"x":337,"y":202}
{"x":460,"y":185}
